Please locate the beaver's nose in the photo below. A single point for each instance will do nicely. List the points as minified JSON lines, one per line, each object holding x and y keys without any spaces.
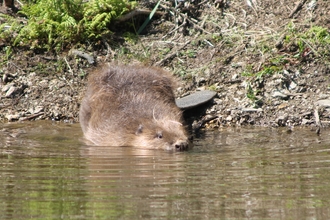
{"x":181,"y":145}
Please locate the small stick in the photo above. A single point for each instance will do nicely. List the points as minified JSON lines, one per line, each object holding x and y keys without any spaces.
{"x":31,"y":116}
{"x":172,"y":55}
{"x":137,"y":12}
{"x":67,"y":63}
{"x":175,"y":29}
{"x":67,"y":82}
{"x":194,"y":23}
{"x":184,"y":16}
{"x":109,"y":51}
{"x":317,"y":121}
{"x":78,"y":53}
{"x":297,"y":8}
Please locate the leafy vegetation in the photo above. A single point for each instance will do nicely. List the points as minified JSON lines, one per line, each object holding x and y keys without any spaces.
{"x":298,"y":46}
{"x":252,"y":95}
{"x":54,"y":24}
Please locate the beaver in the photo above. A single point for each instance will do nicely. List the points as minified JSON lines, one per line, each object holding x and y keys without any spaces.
{"x":132,"y":106}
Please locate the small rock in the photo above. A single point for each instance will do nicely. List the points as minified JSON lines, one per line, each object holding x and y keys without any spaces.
{"x":11,"y":91}
{"x":305,"y":121}
{"x":218,"y":101}
{"x":36,"y":110}
{"x":251,"y":109}
{"x":277,"y":94}
{"x":13,"y":117}
{"x":281,"y":120}
{"x":302,"y":89}
{"x":7,"y":87}
{"x":292,"y":85}
{"x":323,"y":96}
{"x":324,"y":102}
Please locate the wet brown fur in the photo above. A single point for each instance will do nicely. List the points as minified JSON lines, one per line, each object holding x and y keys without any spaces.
{"x":132,"y":106}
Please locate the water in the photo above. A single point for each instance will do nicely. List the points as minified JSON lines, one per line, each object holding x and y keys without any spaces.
{"x":46,"y":172}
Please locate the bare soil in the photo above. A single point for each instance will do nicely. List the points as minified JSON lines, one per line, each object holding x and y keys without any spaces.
{"x":219,"y":45}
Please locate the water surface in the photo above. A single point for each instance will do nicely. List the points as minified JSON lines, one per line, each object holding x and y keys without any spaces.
{"x":47,"y":172}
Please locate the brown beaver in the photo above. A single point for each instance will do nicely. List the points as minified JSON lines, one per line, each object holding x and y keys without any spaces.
{"x":132,"y":106}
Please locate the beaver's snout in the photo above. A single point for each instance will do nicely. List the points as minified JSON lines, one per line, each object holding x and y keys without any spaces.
{"x":181,"y":145}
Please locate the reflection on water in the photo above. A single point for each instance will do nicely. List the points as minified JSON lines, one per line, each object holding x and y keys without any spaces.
{"x":247,"y":173}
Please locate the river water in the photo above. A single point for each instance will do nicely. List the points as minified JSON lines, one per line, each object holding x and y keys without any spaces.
{"x":47,"y":172}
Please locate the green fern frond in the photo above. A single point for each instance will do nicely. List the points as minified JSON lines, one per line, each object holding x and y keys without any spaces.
{"x":57,"y":23}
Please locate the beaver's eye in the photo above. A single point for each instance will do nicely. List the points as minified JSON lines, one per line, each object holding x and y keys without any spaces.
{"x":159,"y":135}
{"x":139,"y":130}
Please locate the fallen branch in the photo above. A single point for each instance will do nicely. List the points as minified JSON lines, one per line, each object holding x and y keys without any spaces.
{"x":78,"y":53}
{"x":297,"y":8}
{"x":137,"y":12}
{"x":31,"y":116}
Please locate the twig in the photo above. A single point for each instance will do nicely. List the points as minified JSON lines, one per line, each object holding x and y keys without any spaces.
{"x":175,"y":29}
{"x":20,"y":3}
{"x":172,"y":55}
{"x":279,"y":42}
{"x":204,"y":20}
{"x":297,"y":8}
{"x":31,"y":116}
{"x":194,"y":23}
{"x":78,"y":53}
{"x":67,"y":63}
{"x":317,"y":121}
{"x":253,"y":5}
{"x":137,"y":12}
{"x":109,"y":51}
{"x":63,"y":78}
{"x":184,"y":16}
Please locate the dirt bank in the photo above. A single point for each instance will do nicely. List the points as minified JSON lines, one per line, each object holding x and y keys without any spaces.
{"x":267,"y":60}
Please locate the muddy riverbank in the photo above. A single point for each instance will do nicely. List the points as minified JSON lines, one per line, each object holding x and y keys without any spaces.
{"x":268,"y":62}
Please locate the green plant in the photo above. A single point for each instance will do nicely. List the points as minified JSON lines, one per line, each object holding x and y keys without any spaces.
{"x":315,"y":39}
{"x":213,"y":87}
{"x":268,"y":70}
{"x":130,"y":37}
{"x":54,"y":24}
{"x":217,"y":37}
{"x":8,"y":27}
{"x":8,"y":53}
{"x":248,"y":72}
{"x":252,"y":95}
{"x":189,"y":53}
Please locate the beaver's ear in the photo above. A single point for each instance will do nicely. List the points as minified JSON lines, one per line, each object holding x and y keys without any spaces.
{"x":139,"y":130}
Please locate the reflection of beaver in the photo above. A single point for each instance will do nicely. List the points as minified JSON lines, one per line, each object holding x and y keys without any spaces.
{"x":132,"y":106}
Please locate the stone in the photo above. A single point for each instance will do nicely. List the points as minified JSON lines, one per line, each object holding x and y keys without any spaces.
{"x":324,"y":102}
{"x":11,"y":91}
{"x":195,"y":99}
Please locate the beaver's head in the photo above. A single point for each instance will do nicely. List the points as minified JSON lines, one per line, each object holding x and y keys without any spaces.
{"x":162,"y":134}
